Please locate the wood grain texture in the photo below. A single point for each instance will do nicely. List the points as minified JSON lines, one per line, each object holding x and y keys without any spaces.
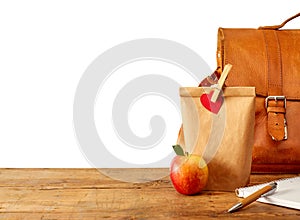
{"x":51,"y":194}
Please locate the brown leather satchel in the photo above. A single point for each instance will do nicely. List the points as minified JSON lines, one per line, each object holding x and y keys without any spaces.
{"x":268,"y":58}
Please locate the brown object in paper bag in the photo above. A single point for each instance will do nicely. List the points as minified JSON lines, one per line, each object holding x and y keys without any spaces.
{"x":225,"y":139}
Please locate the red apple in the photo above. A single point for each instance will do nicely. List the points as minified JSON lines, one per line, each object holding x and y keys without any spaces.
{"x":189,"y":172}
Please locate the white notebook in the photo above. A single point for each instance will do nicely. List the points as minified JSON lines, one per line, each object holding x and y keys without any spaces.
{"x":287,"y":193}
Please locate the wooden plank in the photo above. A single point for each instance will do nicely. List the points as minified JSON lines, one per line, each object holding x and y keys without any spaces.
{"x":87,"y":194}
{"x":61,"y":178}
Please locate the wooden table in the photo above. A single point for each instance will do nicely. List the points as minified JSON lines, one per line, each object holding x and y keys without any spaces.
{"x":86,"y":194}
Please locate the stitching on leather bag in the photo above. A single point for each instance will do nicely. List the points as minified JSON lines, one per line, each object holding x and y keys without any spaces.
{"x":268,"y":61}
{"x":280,"y":59}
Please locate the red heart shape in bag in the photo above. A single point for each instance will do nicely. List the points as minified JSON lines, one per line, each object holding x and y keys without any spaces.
{"x":213,"y":107}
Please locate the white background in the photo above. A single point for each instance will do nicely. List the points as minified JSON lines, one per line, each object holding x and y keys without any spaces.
{"x":45,"y":47}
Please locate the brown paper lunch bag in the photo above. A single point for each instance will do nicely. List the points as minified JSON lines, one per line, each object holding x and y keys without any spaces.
{"x":224,"y":139}
{"x":268,"y":58}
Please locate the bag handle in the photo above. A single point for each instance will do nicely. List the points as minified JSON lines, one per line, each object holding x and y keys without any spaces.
{"x":276,"y":27}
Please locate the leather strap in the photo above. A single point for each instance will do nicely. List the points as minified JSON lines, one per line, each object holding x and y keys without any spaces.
{"x":276,"y":27}
{"x":275,"y":107}
{"x":276,"y":120}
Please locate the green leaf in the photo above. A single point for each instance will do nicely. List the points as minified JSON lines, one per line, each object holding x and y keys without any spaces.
{"x":178,"y":150}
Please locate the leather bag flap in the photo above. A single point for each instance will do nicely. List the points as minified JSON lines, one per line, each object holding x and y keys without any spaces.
{"x":247,"y":51}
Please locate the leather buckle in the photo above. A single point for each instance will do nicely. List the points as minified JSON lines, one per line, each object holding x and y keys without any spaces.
{"x":278,"y":98}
